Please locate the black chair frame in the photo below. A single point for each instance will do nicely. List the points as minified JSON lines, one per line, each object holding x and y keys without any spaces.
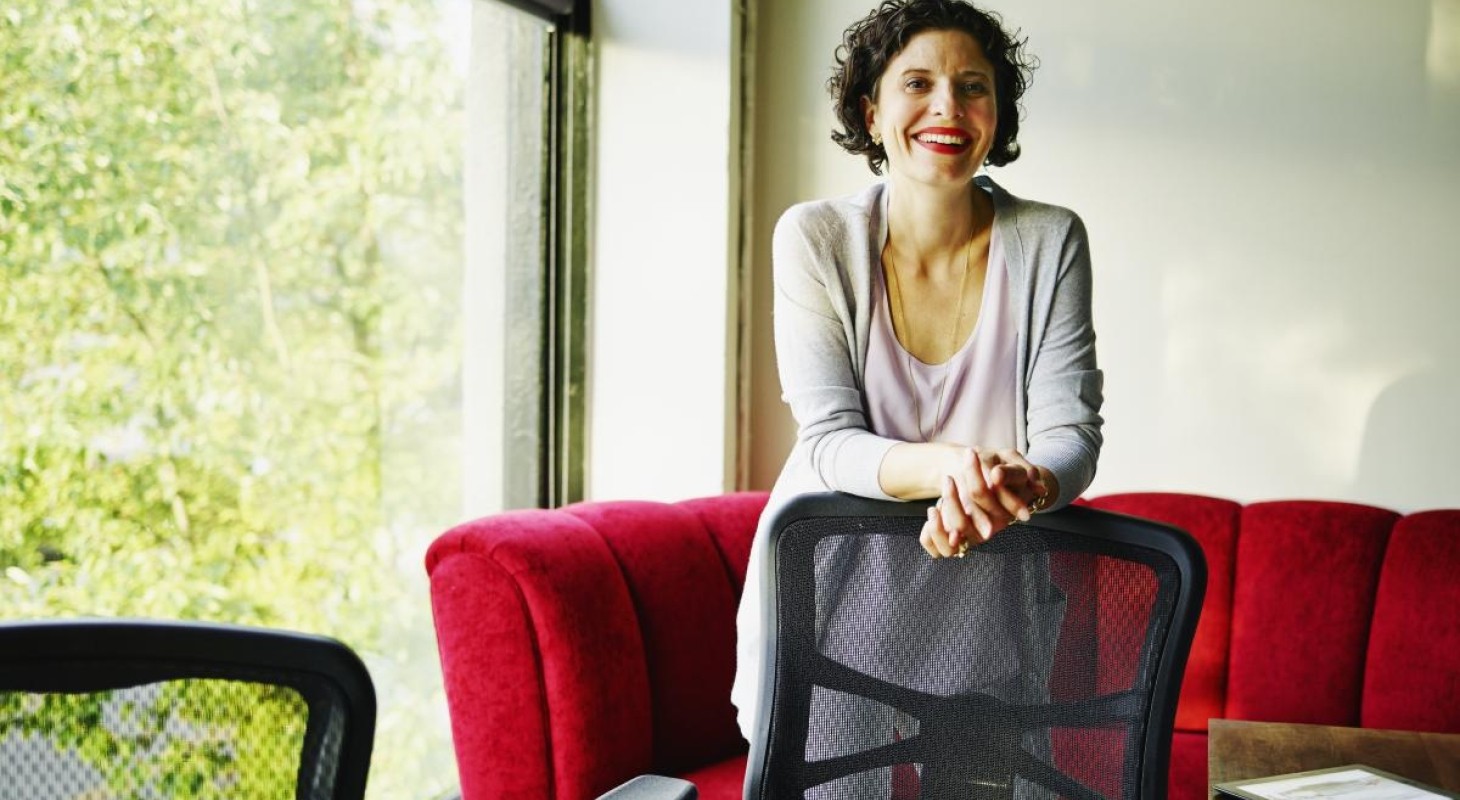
{"x":999,"y":725}
{"x":93,"y":655}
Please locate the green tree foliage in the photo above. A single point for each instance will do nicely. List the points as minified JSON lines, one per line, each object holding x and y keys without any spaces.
{"x":183,"y":740}
{"x":225,"y":232}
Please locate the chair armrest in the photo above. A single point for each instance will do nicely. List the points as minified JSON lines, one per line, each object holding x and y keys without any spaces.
{"x":653,"y":787}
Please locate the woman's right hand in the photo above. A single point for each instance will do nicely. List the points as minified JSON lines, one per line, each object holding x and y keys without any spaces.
{"x":951,"y":526}
{"x":968,"y":511}
{"x":981,"y":495}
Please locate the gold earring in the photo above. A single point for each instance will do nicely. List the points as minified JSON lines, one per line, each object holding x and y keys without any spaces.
{"x":877,"y":139}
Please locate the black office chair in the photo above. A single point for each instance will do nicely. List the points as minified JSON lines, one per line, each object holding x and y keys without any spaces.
{"x":186,"y":711}
{"x":1046,"y":663}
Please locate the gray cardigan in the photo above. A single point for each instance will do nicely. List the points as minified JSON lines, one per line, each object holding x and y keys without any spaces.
{"x":826,"y":256}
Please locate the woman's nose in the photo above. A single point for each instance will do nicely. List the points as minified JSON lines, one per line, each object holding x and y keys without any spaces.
{"x":945,"y":101}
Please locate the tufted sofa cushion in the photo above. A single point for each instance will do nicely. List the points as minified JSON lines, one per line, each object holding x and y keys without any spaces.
{"x":1412,"y":676}
{"x":583,"y":646}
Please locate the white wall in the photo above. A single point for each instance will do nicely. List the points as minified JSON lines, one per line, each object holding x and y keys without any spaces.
{"x":1273,"y":196}
{"x":660,"y":259}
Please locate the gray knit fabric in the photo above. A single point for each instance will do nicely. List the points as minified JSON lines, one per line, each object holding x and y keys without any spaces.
{"x":826,"y":256}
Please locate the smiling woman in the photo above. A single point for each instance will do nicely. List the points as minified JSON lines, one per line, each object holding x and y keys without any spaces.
{"x":868,"y":46}
{"x":933,"y":113}
{"x":933,"y":332}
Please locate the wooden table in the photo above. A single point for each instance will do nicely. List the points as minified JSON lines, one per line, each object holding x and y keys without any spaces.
{"x":1239,"y":750}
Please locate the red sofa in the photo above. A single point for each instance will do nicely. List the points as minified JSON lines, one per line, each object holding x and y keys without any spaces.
{"x":587,"y":645}
{"x":1319,"y":612}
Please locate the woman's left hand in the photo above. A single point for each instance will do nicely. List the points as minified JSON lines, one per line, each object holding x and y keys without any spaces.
{"x":1015,"y":482}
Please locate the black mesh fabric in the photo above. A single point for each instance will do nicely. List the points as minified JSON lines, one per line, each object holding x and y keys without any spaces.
{"x":184,"y":739}
{"x":1020,"y":671}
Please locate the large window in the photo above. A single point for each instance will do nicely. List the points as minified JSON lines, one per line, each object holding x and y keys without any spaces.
{"x":279,"y":302}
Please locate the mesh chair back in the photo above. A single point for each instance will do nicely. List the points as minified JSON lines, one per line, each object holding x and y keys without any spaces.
{"x":1046,"y":663}
{"x":183,"y":711}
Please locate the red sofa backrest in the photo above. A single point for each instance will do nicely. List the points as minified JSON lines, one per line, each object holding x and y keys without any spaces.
{"x":1319,"y":612}
{"x":1304,"y":598}
{"x":1412,"y":677}
{"x":583,"y":646}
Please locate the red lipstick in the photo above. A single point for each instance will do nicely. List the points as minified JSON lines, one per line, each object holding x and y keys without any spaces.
{"x":964,"y":140}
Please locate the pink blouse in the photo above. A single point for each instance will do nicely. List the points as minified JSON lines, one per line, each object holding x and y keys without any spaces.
{"x":968,"y":399}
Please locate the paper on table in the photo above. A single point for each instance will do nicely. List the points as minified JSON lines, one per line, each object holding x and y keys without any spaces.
{"x":1343,"y":783}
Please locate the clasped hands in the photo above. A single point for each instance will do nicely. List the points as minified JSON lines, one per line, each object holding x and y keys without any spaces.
{"x":986,"y":491}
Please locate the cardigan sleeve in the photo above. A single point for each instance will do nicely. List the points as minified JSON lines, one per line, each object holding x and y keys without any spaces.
{"x":813,"y":336}
{"x":1065,"y":388}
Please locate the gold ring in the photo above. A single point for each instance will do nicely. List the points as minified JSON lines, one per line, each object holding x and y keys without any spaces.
{"x":1040,"y":501}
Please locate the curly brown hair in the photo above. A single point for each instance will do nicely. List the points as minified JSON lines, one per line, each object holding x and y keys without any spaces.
{"x":873,"y":41}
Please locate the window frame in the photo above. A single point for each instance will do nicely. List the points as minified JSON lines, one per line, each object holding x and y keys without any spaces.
{"x":568,"y":271}
{"x":558,"y":454}
{"x":554,"y":11}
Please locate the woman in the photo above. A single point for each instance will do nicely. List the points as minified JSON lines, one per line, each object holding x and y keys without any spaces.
{"x":933,"y":332}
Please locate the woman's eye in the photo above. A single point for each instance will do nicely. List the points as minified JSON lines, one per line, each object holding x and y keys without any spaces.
{"x":976,"y":87}
{"x":917,"y":84}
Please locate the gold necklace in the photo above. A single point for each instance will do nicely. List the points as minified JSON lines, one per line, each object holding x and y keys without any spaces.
{"x":952,"y":341}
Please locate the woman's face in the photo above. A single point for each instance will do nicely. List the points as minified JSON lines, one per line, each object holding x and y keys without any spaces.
{"x":935,"y":108}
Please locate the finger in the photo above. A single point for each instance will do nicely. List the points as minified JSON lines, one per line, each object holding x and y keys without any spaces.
{"x":978,"y":525}
{"x":942,"y":531}
{"x":1015,"y":460}
{"x":984,"y":525}
{"x":989,"y":461}
{"x":1035,"y":483}
{"x":958,"y":524}
{"x":1011,"y":456}
{"x":994,"y":526}
{"x":1041,"y":486}
{"x":973,"y":489}
{"x":929,"y":531}
{"x":1014,"y":484}
{"x":1014,"y":492}
{"x":954,"y":523}
{"x":1009,"y":476}
{"x":974,"y":533}
{"x":1036,"y":479}
{"x":990,"y":505}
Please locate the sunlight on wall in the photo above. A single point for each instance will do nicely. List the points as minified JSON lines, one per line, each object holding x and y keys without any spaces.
{"x":657,"y":382}
{"x":1271,"y":193}
{"x":1442,"y":55}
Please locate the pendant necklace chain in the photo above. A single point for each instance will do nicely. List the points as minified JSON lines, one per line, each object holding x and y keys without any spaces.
{"x":952,"y":342}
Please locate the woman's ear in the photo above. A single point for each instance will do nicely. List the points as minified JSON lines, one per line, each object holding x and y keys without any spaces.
{"x":869,"y":117}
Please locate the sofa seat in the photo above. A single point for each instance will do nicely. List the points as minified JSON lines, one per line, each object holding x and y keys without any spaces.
{"x":722,"y":780}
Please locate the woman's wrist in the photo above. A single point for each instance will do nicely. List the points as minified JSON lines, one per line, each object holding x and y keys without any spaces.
{"x":915,"y":470}
{"x":943,"y":461}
